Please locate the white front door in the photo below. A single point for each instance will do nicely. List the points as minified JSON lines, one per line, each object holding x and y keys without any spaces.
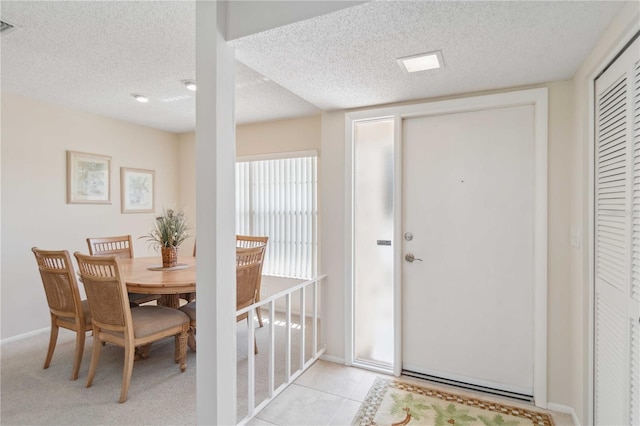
{"x":468,"y":203}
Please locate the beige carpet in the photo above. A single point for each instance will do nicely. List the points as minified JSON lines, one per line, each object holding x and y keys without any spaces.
{"x":392,"y":402}
{"x":159,"y":393}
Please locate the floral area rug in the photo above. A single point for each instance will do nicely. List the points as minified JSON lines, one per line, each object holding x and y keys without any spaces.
{"x":391,"y":403}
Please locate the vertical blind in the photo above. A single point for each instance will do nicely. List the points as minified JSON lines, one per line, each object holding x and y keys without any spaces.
{"x":277,"y":198}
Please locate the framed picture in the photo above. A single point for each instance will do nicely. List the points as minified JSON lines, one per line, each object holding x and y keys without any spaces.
{"x":88,"y":178}
{"x":137,"y":190}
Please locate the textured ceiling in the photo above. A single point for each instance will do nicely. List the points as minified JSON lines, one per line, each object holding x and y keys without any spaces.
{"x":92,"y":56}
{"x":348,"y":58}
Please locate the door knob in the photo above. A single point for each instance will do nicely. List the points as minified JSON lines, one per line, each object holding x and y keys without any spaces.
{"x":409,"y":257}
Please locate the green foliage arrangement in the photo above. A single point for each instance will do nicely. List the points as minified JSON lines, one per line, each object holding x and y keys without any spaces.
{"x":170,"y":229}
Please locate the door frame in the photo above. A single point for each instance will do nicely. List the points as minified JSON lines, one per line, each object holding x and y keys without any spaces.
{"x":538,"y":98}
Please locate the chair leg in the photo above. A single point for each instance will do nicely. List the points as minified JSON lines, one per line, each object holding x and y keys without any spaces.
{"x":255,"y":346}
{"x":259,"y":317}
{"x":181,"y":349}
{"x":77,"y":360}
{"x":144,"y":351}
{"x":53,"y":338}
{"x":95,"y":356}
{"x":129,"y":353}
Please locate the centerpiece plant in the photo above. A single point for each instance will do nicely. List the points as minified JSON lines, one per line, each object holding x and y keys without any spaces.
{"x":169,"y":231}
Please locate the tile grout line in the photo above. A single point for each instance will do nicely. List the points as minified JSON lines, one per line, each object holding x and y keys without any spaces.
{"x":320,"y":390}
{"x":337,"y":411}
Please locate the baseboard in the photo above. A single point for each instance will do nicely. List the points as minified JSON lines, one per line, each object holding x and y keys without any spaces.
{"x":332,"y":358}
{"x":25,"y":335}
{"x":564,"y":409}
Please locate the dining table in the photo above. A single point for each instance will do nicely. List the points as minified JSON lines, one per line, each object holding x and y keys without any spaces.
{"x":147,"y":276}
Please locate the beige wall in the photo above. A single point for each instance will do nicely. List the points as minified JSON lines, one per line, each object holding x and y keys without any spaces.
{"x":559,"y":291}
{"x":558,"y":272}
{"x":35,"y":137}
{"x":298,"y":134}
{"x":626,"y":23}
{"x":187,"y":182}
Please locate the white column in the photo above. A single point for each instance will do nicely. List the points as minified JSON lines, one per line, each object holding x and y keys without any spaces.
{"x":215,"y":216}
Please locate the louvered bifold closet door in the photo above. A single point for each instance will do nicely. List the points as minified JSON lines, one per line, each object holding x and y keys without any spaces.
{"x":617,"y":242}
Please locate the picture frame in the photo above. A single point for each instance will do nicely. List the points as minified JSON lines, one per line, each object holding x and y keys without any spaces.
{"x":137,"y":190}
{"x":88,"y":178}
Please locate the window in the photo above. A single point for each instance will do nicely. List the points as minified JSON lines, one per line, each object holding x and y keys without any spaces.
{"x":276,"y":197}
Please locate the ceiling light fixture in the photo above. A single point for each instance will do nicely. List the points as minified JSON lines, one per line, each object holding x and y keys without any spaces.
{"x":421,"y":62}
{"x":190,"y":84}
{"x":140,"y":98}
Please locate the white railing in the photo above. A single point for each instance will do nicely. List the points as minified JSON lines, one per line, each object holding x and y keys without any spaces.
{"x":316,"y":352}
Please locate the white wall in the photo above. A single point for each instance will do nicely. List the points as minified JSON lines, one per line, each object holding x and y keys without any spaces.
{"x":35,"y":137}
{"x":625,"y":24}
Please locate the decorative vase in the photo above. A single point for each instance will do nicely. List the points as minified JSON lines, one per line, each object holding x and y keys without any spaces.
{"x":169,"y":256}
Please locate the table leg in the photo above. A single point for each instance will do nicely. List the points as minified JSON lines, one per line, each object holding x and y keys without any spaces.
{"x":170,"y":301}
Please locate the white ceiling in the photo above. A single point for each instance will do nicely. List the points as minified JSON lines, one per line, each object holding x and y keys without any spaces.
{"x":92,"y":56}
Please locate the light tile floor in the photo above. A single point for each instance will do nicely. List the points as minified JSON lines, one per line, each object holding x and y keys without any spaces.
{"x":331,"y":394}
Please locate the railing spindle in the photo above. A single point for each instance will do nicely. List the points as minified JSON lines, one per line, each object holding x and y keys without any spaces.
{"x":272,"y":347}
{"x":302,"y":321}
{"x":314,"y":323}
{"x":251,"y":371}
{"x":288,"y":352}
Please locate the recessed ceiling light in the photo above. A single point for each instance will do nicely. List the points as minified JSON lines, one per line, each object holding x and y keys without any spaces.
{"x":141,"y":98}
{"x":421,"y":62}
{"x":190,"y":84}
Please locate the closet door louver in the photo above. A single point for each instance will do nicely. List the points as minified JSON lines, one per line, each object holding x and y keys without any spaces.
{"x":617,"y":242}
{"x":611,"y":186}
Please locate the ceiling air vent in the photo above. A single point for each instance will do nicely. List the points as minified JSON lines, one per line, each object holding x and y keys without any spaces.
{"x":5,"y":27}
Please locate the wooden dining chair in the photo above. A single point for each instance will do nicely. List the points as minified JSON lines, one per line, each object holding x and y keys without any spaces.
{"x":248,"y":267}
{"x":247,"y":241}
{"x":115,"y":322}
{"x":121,"y":247}
{"x":63,"y":297}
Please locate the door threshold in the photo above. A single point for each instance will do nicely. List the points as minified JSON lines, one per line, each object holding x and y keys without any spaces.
{"x":463,"y":385}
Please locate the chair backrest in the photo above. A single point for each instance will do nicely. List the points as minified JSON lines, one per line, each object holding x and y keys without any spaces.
{"x":60,"y":285}
{"x":250,"y":241}
{"x":106,"y":291}
{"x":247,"y":241}
{"x":121,"y":246}
{"x":248,"y":266}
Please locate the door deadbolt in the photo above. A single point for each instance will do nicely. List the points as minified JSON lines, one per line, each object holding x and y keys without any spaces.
{"x":409,"y":257}
{"x":408,"y":236}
